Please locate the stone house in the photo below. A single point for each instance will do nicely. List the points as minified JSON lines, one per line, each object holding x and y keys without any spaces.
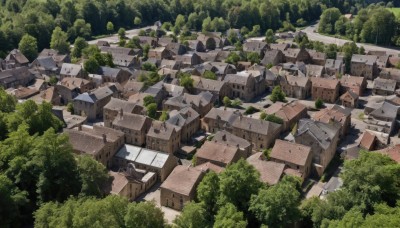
{"x":218,"y":119}
{"x":163,"y":137}
{"x":116,"y":107}
{"x":152,"y":161}
{"x":225,"y":138}
{"x":255,"y":46}
{"x":99,"y":142}
{"x":91,"y":104}
{"x":364,"y":66}
{"x":16,"y":59}
{"x":337,"y":114}
{"x":60,"y":59}
{"x":383,"y":87}
{"x":176,"y":48}
{"x":116,"y":50}
{"x":326,"y":89}
{"x":201,"y":103}
{"x":391,"y":73}
{"x":353,"y":83}
{"x":218,"y":154}
{"x":171,"y":64}
{"x":295,"y":156}
{"x":219,"y":89}
{"x":272,"y":57}
{"x":290,"y":113}
{"x":270,"y":172}
{"x":45,"y":65}
{"x":383,"y":118}
{"x":189,"y":60}
{"x":296,"y":55}
{"x":296,"y":87}
{"x":279,"y":46}
{"x":72,"y":70}
{"x":314,"y":70}
{"x":114,"y":74}
{"x":160,"y":53}
{"x":187,"y":120}
{"x":246,"y":84}
{"x":317,"y":58}
{"x":15,"y":77}
{"x":334,"y":67}
{"x":69,"y":88}
{"x":210,"y":41}
{"x":349,"y":99}
{"x":196,"y":45}
{"x":128,"y":61}
{"x":260,"y":133}
{"x":134,"y":126}
{"x":180,"y":187}
{"x":322,"y":138}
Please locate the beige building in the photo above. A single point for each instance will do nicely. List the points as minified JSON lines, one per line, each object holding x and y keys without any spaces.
{"x":99,"y":142}
{"x":114,"y":108}
{"x":201,"y":103}
{"x":353,"y":83}
{"x":218,"y":154}
{"x":225,"y":138}
{"x":349,"y":99}
{"x":326,"y":89}
{"x":296,"y":55}
{"x":270,"y":172}
{"x":246,"y":84}
{"x":134,"y":126}
{"x":296,"y":87}
{"x":337,"y":114}
{"x":152,"y":161}
{"x":290,"y":113}
{"x":163,"y":137}
{"x":187,"y":120}
{"x":364,"y":66}
{"x":180,"y":187}
{"x":218,"y":119}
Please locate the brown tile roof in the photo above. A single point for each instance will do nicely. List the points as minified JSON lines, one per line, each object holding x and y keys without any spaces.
{"x":72,"y":83}
{"x":224,"y":137}
{"x":293,"y":172}
{"x":118,"y":104}
{"x":271,"y":172}
{"x":290,"y":152}
{"x":210,"y":166}
{"x":393,"y":152}
{"x":368,"y":140}
{"x":119,"y":182}
{"x":225,"y":115}
{"x":349,"y":94}
{"x":335,"y":113}
{"x":297,"y":81}
{"x":161,"y":130}
{"x":255,"y":125}
{"x":326,"y":83}
{"x":131,"y":121}
{"x":221,"y":153}
{"x":286,"y":111}
{"x":183,"y":180}
{"x":85,"y":143}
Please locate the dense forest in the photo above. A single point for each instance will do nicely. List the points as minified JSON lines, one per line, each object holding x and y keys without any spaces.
{"x":88,"y":18}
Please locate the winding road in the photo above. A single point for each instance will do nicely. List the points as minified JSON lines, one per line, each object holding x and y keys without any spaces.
{"x":314,"y":36}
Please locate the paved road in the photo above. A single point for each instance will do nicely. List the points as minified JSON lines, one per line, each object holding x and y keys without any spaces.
{"x":114,"y":38}
{"x":332,"y":40}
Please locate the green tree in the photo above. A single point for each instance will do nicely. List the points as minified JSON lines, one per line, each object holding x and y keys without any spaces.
{"x":193,"y":215}
{"x":210,"y":75}
{"x":236,"y":103}
{"x":163,"y":116}
{"x":137,"y":21}
{"x":110,"y":27}
{"x":148,"y":100}
{"x":93,"y":176}
{"x":233,"y":58}
{"x":59,"y":41}
{"x":70,"y":107}
{"x":144,"y":214}
{"x":149,"y":79}
{"x":186,"y":81}
{"x":250,"y":110}
{"x":151,"y":110}
{"x":149,"y":67}
{"x":270,"y":36}
{"x":277,"y":205}
{"x":263,"y":115}
{"x":277,"y":95}
{"x":91,"y":65}
{"x":253,"y":57}
{"x":273,"y":118}
{"x":229,"y":216}
{"x":79,"y":45}
{"x":328,"y":20}
{"x":319,"y":103}
{"x":227,"y":102}
{"x":208,"y":192}
{"x":28,"y":47}
{"x":121,"y":33}
{"x":7,"y":101}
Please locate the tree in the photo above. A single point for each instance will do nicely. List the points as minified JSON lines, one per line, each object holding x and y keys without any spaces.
{"x":53,"y":80}
{"x":59,"y":41}
{"x":270,"y":36}
{"x":152,"y":110}
{"x":10,"y":200}
{"x":277,"y":205}
{"x":210,"y":75}
{"x":227,"y":102}
{"x":263,"y":115}
{"x":273,"y":118}
{"x":208,"y":192}
{"x":79,"y":45}
{"x":250,"y":110}
{"x":144,"y":214}
{"x":253,"y":57}
{"x":137,"y":21}
{"x":28,"y":47}
{"x":148,"y":100}
{"x":163,"y":116}
{"x":233,"y":58}
{"x":110,"y":27}
{"x":236,"y":103}
{"x":277,"y":95}
{"x":193,"y":215}
{"x":149,"y":79}
{"x":149,"y":67}
{"x":7,"y":101}
{"x":328,"y":20}
{"x":319,"y":103}
{"x":237,"y":183}
{"x":186,"y":81}
{"x":229,"y":216}
{"x":121,"y":33}
{"x":93,"y":176}
{"x":70,"y":107}
{"x":91,"y":65}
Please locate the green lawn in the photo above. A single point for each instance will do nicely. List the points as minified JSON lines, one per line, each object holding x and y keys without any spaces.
{"x":396,"y":11}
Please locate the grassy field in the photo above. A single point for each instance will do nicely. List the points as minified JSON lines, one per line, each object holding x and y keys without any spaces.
{"x":396,"y":11}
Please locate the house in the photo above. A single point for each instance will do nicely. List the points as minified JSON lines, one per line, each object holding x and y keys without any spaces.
{"x":147,"y":40}
{"x":201,"y":103}
{"x":163,"y":137}
{"x":49,"y":95}
{"x":176,"y":48}
{"x":134,"y":126}
{"x":16,"y":59}
{"x":272,"y":57}
{"x":208,"y":166}
{"x":189,"y":60}
{"x":159,"y":53}
{"x":298,"y":68}
{"x":314,"y":70}
{"x":322,"y":138}
{"x":246,"y":84}
{"x":317,"y":58}
{"x":353,"y":83}
{"x":114,"y":74}
{"x":45,"y":65}
{"x":349,"y":99}
{"x":382,"y":61}
{"x":219,"y":89}
{"x":391,"y":73}
{"x":383,"y":118}
{"x":72,"y":70}
{"x":334,"y":67}
{"x":364,"y":66}
{"x":15,"y":77}
{"x":60,"y":59}
{"x":208,"y":56}
{"x":290,"y":113}
{"x":69,"y":88}
{"x":209,"y":41}
{"x":116,"y":50}
{"x":171,"y":64}
{"x":225,"y":138}
{"x":325,"y":88}
{"x":295,"y":156}
{"x":368,"y":141}
{"x":217,"y":154}
{"x":91,"y":104}
{"x":132,"y":182}
{"x":255,"y":46}
{"x":128,"y":61}
{"x":393,"y":152}
{"x":114,"y":108}
{"x":196,"y":45}
{"x":99,"y":142}
{"x":383,"y":87}
{"x":337,"y":114}
{"x":260,"y":133}
{"x":270,"y":172}
{"x":22,"y":92}
{"x":296,"y":87}
{"x":180,"y":187}
{"x":218,"y":119}
{"x":187,"y":120}
{"x":164,"y":41}
{"x":296,"y":55}
{"x":279,"y":46}
{"x":152,"y":161}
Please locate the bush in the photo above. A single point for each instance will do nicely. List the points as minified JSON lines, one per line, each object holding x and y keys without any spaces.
{"x":274,"y":119}
{"x":319,"y":103}
{"x":277,"y":95}
{"x":250,"y":110}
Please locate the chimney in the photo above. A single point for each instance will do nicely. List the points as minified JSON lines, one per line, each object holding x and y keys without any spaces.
{"x":121,"y":113}
{"x":104,"y":138}
{"x":224,"y":137}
